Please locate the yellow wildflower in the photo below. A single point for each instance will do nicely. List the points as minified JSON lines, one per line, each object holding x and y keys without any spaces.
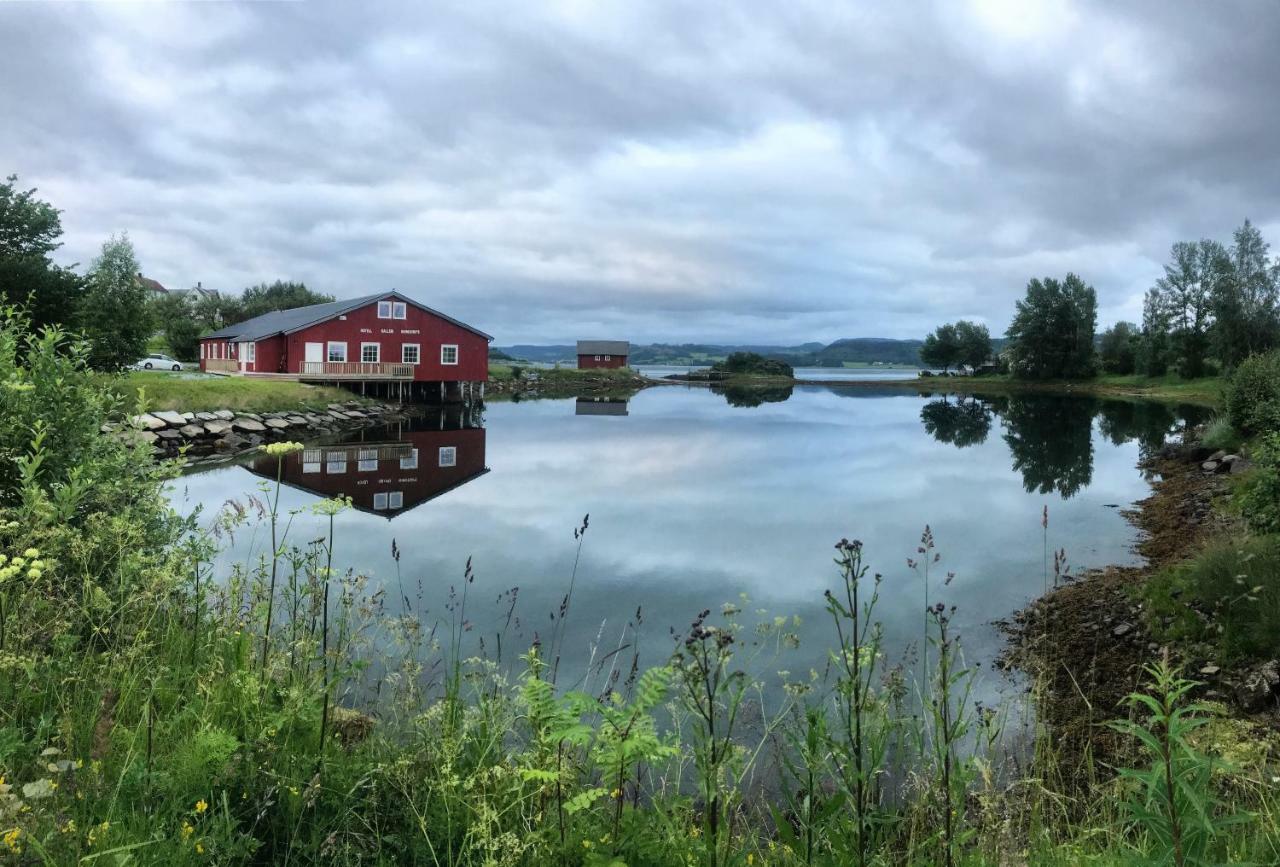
{"x":199,"y":848}
{"x":201,"y":805}
{"x":187,"y":829}
{"x":11,"y":839}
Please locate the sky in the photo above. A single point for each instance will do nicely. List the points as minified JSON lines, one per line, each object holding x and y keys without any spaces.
{"x":656,"y":171}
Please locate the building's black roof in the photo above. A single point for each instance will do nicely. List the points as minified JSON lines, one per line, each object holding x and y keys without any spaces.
{"x":289,"y":321}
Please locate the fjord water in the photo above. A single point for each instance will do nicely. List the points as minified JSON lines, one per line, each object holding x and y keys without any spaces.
{"x":698,"y":499}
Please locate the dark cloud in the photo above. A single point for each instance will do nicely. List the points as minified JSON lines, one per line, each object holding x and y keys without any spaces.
{"x":662,"y":171}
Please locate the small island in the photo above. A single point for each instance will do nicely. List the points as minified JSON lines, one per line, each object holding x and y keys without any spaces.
{"x":742,"y":368}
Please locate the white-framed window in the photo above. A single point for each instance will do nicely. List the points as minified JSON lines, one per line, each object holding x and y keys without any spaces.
{"x":395,"y":499}
{"x":367,"y":460}
{"x":232,"y":347}
{"x":370,"y":353}
{"x":251,"y":352}
{"x":384,"y":309}
{"x":399,"y":310}
{"x":336,"y":464}
{"x":597,"y":358}
{"x":448,"y":456}
{"x":202,"y":352}
{"x":380,"y":502}
{"x":311,"y":459}
{"x":608,"y":358}
{"x":410,"y":353}
{"x":410,"y":461}
{"x":449,"y":353}
{"x":337,"y":351}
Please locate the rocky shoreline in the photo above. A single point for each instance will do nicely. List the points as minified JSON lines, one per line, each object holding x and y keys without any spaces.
{"x":1085,"y":643}
{"x":223,"y":433}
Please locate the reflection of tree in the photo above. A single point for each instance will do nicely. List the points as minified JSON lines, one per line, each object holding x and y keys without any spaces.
{"x":962,"y":424}
{"x":1050,"y":439}
{"x":1146,"y":421}
{"x":749,"y":395}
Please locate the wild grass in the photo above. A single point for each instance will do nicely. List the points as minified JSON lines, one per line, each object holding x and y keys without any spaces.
{"x":165,"y":391}
{"x":1226,"y":598}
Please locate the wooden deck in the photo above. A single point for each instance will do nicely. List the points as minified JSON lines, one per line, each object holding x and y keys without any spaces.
{"x":320,"y":371}
{"x":356,"y":370}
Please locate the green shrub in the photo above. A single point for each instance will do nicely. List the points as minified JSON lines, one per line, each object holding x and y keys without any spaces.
{"x":1253,"y":395}
{"x":1259,"y":495}
{"x":1228,"y":595}
{"x":1219,"y":434}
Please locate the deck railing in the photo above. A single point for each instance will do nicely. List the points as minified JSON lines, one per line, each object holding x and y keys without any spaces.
{"x":355,"y":370}
{"x":221,"y":365}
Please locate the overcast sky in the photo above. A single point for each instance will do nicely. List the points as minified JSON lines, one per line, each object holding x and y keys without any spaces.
{"x":654,"y":171}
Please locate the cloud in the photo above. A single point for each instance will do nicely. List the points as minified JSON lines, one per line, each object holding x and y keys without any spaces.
{"x":659,"y":171}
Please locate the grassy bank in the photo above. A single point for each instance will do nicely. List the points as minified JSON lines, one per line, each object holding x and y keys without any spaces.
{"x":198,"y":394}
{"x":1207,"y":391}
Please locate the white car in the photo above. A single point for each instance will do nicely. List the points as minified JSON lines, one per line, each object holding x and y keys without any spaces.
{"x":156,"y":361}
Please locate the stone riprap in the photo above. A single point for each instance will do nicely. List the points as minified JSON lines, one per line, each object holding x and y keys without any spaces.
{"x":223,"y":433}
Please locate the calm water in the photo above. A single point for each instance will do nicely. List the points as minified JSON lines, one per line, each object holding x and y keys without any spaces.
{"x":820,"y":374}
{"x":697,"y":498}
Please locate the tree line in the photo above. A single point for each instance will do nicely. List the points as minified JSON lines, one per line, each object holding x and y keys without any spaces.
{"x":1214,"y":306}
{"x":108,"y":304}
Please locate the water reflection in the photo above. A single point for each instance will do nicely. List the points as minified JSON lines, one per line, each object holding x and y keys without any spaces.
{"x":751,"y":396}
{"x":962,"y":423}
{"x":601,"y":406}
{"x":391,"y":469}
{"x":1050,"y":438}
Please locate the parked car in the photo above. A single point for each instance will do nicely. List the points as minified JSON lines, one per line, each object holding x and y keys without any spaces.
{"x":156,"y":361}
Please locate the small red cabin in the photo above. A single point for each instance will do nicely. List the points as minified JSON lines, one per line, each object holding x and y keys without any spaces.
{"x":383,"y":337}
{"x":602,"y":353}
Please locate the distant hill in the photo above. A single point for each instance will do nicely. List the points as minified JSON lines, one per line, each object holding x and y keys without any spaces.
{"x":856,"y":350}
{"x":867,"y":350}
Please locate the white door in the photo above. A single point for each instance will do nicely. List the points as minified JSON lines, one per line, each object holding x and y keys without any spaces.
{"x":314,"y":353}
{"x":243,"y":355}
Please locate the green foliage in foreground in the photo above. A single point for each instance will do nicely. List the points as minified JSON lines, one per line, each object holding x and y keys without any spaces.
{"x":1225,"y":597}
{"x":1252,"y":396}
{"x":163,"y":390}
{"x":160,"y":708}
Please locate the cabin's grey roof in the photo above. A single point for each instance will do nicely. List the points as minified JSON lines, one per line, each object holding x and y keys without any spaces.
{"x":289,"y":321}
{"x":604,"y":347}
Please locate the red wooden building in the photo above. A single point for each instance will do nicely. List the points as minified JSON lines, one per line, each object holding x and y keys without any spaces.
{"x":382,"y":338}
{"x":602,"y":353}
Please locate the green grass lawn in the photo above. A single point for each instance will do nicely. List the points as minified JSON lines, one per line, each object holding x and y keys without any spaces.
{"x":190,"y":393}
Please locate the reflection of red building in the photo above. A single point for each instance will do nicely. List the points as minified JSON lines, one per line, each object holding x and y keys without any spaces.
{"x":602,"y":353}
{"x":385,"y":477}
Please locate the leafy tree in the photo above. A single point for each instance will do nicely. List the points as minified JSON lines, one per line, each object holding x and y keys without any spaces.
{"x":1153,"y":352}
{"x":215,"y":311}
{"x":29,"y":232}
{"x":1051,"y":336}
{"x":1245,"y":300}
{"x":280,"y":295}
{"x":1186,"y":295}
{"x":941,"y":348}
{"x":175,"y":314}
{"x":1119,"y":347}
{"x":115,"y":309}
{"x":973,"y":343}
